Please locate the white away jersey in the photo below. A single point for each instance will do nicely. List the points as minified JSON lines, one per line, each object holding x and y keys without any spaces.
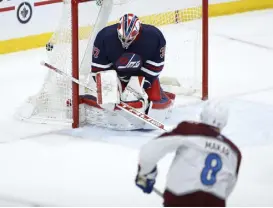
{"x":205,"y":160}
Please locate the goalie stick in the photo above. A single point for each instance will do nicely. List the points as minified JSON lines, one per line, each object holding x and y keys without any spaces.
{"x":123,"y":106}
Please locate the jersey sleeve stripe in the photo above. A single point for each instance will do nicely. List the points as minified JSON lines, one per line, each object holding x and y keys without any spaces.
{"x":154,"y":63}
{"x":153,"y":68}
{"x":103,"y":66}
{"x":147,"y":71}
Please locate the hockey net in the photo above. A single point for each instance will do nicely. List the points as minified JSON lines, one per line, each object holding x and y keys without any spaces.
{"x":186,"y":54}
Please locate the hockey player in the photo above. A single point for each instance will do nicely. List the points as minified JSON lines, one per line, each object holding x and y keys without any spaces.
{"x":134,"y":53}
{"x":205,"y":168}
{"x":131,"y":49}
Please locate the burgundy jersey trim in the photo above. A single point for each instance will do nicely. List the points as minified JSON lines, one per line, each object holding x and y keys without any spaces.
{"x":153,"y":68}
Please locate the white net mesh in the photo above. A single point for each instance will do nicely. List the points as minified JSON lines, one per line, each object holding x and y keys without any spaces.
{"x":179,"y":20}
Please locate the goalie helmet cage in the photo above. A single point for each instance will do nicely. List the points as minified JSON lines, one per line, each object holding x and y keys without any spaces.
{"x":71,"y":45}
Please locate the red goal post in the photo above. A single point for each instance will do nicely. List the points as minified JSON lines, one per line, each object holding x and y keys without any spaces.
{"x":205,"y":49}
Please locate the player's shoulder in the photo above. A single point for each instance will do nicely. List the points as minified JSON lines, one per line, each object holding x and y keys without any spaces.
{"x":231,"y":144}
{"x":108,"y":32}
{"x":191,"y":128}
{"x":153,"y":32}
{"x":203,"y":131}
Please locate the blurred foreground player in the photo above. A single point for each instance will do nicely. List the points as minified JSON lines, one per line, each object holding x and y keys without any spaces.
{"x":205,"y":168}
{"x":126,"y":62}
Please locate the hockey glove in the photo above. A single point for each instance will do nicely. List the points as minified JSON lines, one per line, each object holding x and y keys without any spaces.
{"x":146,"y":182}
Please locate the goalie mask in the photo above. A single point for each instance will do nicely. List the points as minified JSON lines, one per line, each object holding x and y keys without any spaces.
{"x":128,"y":29}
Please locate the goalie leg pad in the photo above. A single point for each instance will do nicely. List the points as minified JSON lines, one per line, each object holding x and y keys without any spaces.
{"x":120,"y":120}
{"x":113,"y":119}
{"x":108,"y":86}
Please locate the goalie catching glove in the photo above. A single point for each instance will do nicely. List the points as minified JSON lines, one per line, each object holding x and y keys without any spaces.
{"x":146,"y":181}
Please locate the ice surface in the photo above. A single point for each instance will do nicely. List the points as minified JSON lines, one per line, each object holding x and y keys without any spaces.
{"x":96,"y":167}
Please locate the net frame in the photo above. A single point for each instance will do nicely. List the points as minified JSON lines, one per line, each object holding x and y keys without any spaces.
{"x":75,"y":55}
{"x":47,"y":107}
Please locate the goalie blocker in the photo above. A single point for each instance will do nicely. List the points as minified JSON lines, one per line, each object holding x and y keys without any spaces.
{"x":101,"y":108}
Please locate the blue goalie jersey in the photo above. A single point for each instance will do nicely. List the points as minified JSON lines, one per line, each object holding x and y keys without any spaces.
{"x":147,"y":52}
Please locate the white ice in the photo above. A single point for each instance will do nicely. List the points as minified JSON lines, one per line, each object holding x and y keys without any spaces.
{"x":96,"y":167}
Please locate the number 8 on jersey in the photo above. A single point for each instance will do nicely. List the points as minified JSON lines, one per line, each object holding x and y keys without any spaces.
{"x":213,"y":164}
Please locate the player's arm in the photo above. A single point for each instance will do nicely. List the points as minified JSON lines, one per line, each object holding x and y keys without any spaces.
{"x":99,"y":56}
{"x":156,"y":149}
{"x":153,"y":67}
{"x":150,"y":154}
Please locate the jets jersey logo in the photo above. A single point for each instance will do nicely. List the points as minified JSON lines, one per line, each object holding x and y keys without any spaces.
{"x":129,"y":61}
{"x":132,"y":64}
